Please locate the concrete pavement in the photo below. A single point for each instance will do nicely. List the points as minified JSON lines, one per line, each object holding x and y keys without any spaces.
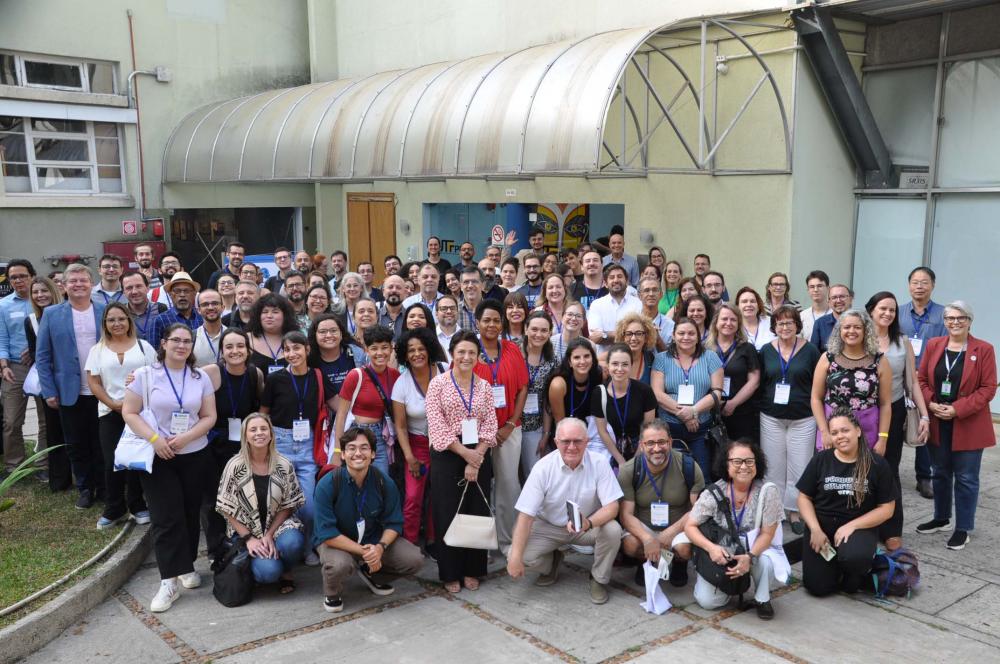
{"x":953,"y":616}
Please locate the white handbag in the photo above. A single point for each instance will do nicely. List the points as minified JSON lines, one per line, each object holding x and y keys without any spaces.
{"x":32,"y":385}
{"x":468,"y":531}
{"x":134,"y":452}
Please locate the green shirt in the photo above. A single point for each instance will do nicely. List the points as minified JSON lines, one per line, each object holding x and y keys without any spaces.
{"x":674,"y":489}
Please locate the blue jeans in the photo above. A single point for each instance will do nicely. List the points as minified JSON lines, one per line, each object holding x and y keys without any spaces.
{"x":696,"y":442}
{"x":963,"y":468}
{"x":922,"y":463}
{"x":300,"y":454}
{"x":289,"y":545}
{"x":381,"y":448}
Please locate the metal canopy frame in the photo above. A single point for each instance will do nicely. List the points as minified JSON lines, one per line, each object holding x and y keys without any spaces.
{"x":537,"y":111}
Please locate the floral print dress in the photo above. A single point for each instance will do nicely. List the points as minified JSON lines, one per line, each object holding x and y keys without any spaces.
{"x":854,"y":384}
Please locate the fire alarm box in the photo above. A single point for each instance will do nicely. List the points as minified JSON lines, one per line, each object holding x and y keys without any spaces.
{"x":157,"y":227}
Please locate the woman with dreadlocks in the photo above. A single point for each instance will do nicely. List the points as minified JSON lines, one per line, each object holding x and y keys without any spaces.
{"x":845,"y":493}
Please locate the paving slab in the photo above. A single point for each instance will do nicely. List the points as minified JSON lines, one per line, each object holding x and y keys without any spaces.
{"x":200,"y":621}
{"x":707,"y":645}
{"x":979,"y":611}
{"x":863,"y":633}
{"x":980,"y":554}
{"x":431,"y":630}
{"x":563,"y":615}
{"x":110,"y":633}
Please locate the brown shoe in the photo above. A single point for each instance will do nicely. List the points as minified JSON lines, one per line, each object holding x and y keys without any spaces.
{"x":553,"y":574}
{"x":598,"y":592}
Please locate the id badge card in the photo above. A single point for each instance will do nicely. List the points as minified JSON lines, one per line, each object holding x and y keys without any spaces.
{"x":782,"y":392}
{"x":946,"y":388}
{"x":180,"y":422}
{"x":300,"y":430}
{"x":726,"y":382}
{"x":918,"y":345}
{"x":234,"y":429}
{"x":531,"y":405}
{"x":685,"y":394}
{"x":470,"y":432}
{"x":499,"y":397}
{"x":273,"y":368}
{"x":361,"y":529}
{"x":659,"y":514}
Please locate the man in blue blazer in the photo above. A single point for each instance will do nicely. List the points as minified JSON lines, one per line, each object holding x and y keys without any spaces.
{"x":841,"y":299}
{"x":67,"y":333}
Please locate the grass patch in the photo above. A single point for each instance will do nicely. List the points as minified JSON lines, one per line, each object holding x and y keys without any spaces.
{"x":42,"y":538}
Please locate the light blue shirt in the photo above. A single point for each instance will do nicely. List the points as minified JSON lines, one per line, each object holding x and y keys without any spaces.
{"x":699,"y":375}
{"x":630,"y":264}
{"x":925,"y":327}
{"x":14,"y":309}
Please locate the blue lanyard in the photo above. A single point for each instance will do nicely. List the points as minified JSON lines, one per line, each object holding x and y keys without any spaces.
{"x":300,"y":394}
{"x":109,"y":300}
{"x":494,"y":364}
{"x":753,"y":339}
{"x":416,"y":383}
{"x":732,"y":498}
{"x":920,"y":321}
{"x":432,"y":305}
{"x":645,"y":469}
{"x":180,"y":402}
{"x":352,"y":327}
{"x":726,"y":356}
{"x":472,"y":388}
{"x":572,"y":393}
{"x":274,"y":353}
{"x":229,"y":384}
{"x":555,"y":321}
{"x":784,"y":364}
{"x":145,"y":326}
{"x":215,"y":351}
{"x":687,"y":372}
{"x":614,"y":400}
{"x":532,"y":371}
{"x":951,"y":365}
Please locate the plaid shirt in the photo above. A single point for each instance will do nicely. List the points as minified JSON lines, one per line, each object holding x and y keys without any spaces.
{"x":168,"y":318}
{"x":386,"y":320}
{"x":467,"y":317}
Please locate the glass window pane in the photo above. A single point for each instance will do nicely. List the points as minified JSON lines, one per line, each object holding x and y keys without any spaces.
{"x":12,"y":148}
{"x":966,"y":237}
{"x":109,"y":179}
{"x":8,"y":72}
{"x":903,"y":104}
{"x":970,"y":131}
{"x":106,"y":130}
{"x":58,"y":178}
{"x":889,"y":244}
{"x":15,"y":178}
{"x":107,"y":151}
{"x":11,"y":123}
{"x":64,"y":126}
{"x":61,"y":149}
{"x":51,"y":73}
{"x":102,"y":77}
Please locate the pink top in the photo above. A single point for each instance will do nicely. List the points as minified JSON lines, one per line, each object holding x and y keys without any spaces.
{"x":445,"y":411}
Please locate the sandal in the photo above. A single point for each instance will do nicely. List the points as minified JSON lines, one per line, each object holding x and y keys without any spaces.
{"x":286,"y":586}
{"x":471,"y":583}
{"x":453,"y":587}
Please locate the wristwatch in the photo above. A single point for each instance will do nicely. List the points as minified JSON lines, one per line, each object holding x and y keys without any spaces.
{"x":752,"y":557}
{"x":385,"y":547}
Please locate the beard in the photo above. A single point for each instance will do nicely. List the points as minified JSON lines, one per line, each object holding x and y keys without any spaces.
{"x":393,"y":300}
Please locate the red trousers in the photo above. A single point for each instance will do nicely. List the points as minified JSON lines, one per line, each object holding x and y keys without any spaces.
{"x":413,"y":504}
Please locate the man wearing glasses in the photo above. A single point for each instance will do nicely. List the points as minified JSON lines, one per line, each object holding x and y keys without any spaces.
{"x":841,"y":299}
{"x":650,"y":293}
{"x":110,"y":287}
{"x":14,"y":361}
{"x":660,"y":485}
{"x":182,"y":290}
{"x":569,"y":480}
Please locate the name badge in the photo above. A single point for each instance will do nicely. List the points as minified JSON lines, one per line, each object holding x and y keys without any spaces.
{"x":274,"y":367}
{"x":499,"y":397}
{"x":782,"y":392}
{"x":360,"y":525}
{"x":685,"y":394}
{"x":918,"y":345}
{"x":659,"y":514}
{"x":300,"y":430}
{"x":180,"y":422}
{"x":726,"y":382}
{"x":946,"y":388}
{"x":234,"y":429}
{"x":470,"y":432}
{"x":531,"y":405}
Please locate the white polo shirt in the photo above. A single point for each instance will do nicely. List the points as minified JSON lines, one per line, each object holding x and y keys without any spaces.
{"x":591,"y":485}
{"x":605,"y":312}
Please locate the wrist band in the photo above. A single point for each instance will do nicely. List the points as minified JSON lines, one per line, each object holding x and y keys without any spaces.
{"x":924,"y":418}
{"x":336,"y":450}
{"x":883,"y":434}
{"x":155,"y":438}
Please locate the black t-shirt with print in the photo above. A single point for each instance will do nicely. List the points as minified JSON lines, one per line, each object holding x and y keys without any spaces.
{"x":828,"y":481}
{"x":640,"y":399}
{"x":283,"y":400}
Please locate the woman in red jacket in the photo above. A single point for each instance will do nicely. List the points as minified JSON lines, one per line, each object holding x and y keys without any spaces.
{"x":958,"y":378}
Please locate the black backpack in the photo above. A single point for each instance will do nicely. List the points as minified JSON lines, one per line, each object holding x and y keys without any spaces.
{"x":728,"y":538}
{"x":233,"y":582}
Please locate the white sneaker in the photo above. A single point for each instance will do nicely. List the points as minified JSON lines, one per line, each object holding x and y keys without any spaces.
{"x":311,"y":559}
{"x":165,"y":596}
{"x":190,"y":580}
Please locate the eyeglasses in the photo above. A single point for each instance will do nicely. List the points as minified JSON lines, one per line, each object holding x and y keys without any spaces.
{"x":784,"y":323}
{"x":663,"y":442}
{"x":180,"y":342}
{"x":572,"y":442}
{"x":778,"y":284}
{"x":838,"y":297}
{"x":573,"y":316}
{"x":334,"y":332}
{"x":19,"y":277}
{"x":955,"y":319}
{"x":447,"y":309}
{"x":633,"y":334}
{"x":749,"y":462}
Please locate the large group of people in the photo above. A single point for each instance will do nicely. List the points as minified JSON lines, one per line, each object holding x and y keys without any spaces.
{"x":591,"y":400}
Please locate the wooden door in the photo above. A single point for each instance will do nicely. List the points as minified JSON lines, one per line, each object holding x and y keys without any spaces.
{"x":371,"y":230}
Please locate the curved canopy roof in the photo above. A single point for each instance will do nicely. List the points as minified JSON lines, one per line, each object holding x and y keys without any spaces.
{"x":538,"y":110}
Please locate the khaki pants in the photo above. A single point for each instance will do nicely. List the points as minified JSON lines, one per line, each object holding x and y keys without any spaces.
{"x":15,"y":404}
{"x":546,"y":538}
{"x":506,"y":486}
{"x":400,"y":559}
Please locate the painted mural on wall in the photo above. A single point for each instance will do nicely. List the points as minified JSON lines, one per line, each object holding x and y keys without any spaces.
{"x":566,"y":225}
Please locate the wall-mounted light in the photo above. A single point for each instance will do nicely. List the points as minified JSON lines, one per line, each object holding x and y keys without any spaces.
{"x":645,"y":236}
{"x":404,"y":226}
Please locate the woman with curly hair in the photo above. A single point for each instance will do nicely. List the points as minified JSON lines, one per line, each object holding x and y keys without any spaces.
{"x":638,"y":333}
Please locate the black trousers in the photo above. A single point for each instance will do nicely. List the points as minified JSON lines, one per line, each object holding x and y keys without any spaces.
{"x":743,"y":425}
{"x":60,"y":472}
{"x":220,"y":451}
{"x":83,"y":442}
{"x":447,"y":470}
{"x":848,"y":568}
{"x":893,"y":527}
{"x":173,"y":492}
{"x":123,"y":488}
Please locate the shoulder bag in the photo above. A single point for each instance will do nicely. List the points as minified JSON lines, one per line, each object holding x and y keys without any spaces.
{"x":911,"y":426}
{"x":728,"y":539}
{"x":468,"y":531}
{"x":32,"y":386}
{"x":718,"y":436}
{"x":233,"y":582}
{"x":133,"y":452}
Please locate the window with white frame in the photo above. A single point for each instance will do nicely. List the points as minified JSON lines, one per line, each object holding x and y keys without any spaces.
{"x":47,"y":156}
{"x":56,"y":73}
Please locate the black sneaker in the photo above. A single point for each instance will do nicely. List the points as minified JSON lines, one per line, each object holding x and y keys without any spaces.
{"x":85,"y":500}
{"x":381,"y":589}
{"x":765,"y":611}
{"x":958,"y":540}
{"x":933,"y":526}
{"x":678,"y":573}
{"x":640,"y":576}
{"x":333,"y":604}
